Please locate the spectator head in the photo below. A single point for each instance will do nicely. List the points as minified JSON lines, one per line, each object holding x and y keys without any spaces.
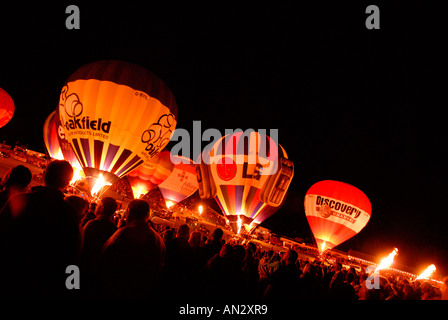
{"x":106,"y":207}
{"x":18,"y":177}
{"x":217,"y":234}
{"x":195,"y":239}
{"x":183,"y":232}
{"x":168,"y":235}
{"x":239,"y":254}
{"x":226,"y":251}
{"x":290,"y":257}
{"x":79,"y":204}
{"x":350,"y":277}
{"x":58,"y":174}
{"x":138,"y":210}
{"x":252,"y":246}
{"x":309,"y":269}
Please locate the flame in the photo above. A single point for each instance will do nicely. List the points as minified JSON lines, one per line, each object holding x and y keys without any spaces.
{"x":324,"y":244}
{"x":427,"y":273}
{"x":387,"y":262}
{"x":200,"y":209}
{"x":239,"y":224}
{"x":78,"y":173}
{"x":139,"y":190}
{"x":169,"y":204}
{"x":59,"y":155}
{"x":100,"y":182}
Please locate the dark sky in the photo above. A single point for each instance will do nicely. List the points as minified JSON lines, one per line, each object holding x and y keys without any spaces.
{"x":361,"y":106}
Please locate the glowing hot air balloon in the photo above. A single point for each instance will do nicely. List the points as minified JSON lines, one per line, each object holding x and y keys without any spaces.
{"x":150,"y":174}
{"x":336,"y":211}
{"x":248,"y":174}
{"x":51,"y":137}
{"x":6,"y":107}
{"x":181,"y":183}
{"x":116,"y":116}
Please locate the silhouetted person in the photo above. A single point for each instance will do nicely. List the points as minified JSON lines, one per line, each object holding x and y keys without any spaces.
{"x":178,"y":262}
{"x":39,"y":238}
{"x":16,"y":180}
{"x":196,"y":250}
{"x":79,"y":204}
{"x":284,"y":282}
{"x":340,"y":288}
{"x":214,"y":247}
{"x":219,"y":275}
{"x":96,"y":233}
{"x":90,"y":215}
{"x":132,"y":258}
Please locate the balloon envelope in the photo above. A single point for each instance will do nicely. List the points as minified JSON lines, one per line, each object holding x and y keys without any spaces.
{"x":336,"y":211}
{"x":181,"y":183}
{"x":248,"y":174}
{"x":6,"y":107}
{"x":116,"y":115}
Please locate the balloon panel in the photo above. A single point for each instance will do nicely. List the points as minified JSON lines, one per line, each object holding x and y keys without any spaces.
{"x":6,"y":107}
{"x":65,"y":146}
{"x":151,"y":173}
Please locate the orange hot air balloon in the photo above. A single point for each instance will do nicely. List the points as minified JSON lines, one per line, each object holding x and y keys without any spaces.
{"x":336,"y":211}
{"x":6,"y":107}
{"x":181,"y":183}
{"x":150,"y":174}
{"x":116,"y":116}
{"x":248,"y":174}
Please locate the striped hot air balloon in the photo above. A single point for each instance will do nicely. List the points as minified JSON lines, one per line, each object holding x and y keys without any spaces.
{"x":6,"y":107}
{"x":116,"y":116}
{"x":336,"y":211}
{"x":248,"y":174}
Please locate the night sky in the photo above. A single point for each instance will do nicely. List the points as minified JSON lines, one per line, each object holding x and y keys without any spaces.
{"x":366,"y":107}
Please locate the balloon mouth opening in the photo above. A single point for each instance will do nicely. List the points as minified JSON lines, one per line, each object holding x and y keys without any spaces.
{"x":239,"y":223}
{"x":323,"y":246}
{"x":99,"y":180}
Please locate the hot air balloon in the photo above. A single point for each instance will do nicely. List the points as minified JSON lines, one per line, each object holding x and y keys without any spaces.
{"x":150,"y":174}
{"x":51,"y":137}
{"x":181,"y":183}
{"x":336,"y":211}
{"x":248,"y":174}
{"x":116,"y":116}
{"x":6,"y":107}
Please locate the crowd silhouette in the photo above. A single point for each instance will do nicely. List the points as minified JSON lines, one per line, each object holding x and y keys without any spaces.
{"x":43,"y":230}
